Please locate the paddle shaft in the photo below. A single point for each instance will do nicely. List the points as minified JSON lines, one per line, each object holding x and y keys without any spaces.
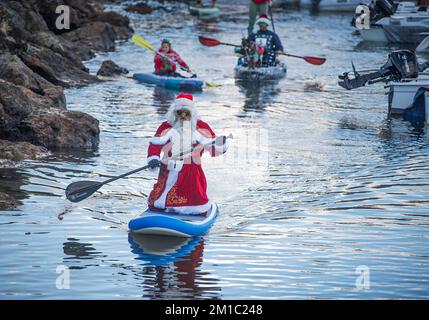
{"x":175,"y":157}
{"x":272,"y":20}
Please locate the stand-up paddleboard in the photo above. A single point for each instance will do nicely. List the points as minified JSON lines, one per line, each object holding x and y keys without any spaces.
{"x":174,"y":224}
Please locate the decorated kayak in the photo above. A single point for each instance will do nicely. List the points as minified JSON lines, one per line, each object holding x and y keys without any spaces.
{"x":204,"y":11}
{"x":174,"y":224}
{"x":261,"y":73}
{"x":169,"y":82}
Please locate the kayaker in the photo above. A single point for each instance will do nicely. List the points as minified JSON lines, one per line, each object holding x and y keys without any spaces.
{"x":181,"y":185}
{"x":166,"y":60}
{"x":256,"y":8}
{"x":264,"y":44}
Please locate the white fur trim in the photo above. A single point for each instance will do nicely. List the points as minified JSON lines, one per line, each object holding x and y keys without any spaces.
{"x":201,"y":139}
{"x":182,"y":102}
{"x":264,"y":20}
{"x":192,"y":209}
{"x":161,"y":140}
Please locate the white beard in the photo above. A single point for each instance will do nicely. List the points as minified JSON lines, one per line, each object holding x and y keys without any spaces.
{"x":181,"y":137}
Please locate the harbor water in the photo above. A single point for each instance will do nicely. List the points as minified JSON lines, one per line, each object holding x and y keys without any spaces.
{"x":321,"y":196}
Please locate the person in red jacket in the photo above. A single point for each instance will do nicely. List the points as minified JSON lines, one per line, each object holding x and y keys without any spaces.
{"x":181,"y":185}
{"x":256,"y":8}
{"x":167,"y":59}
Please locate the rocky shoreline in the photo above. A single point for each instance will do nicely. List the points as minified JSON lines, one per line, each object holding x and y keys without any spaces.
{"x":37,"y":61}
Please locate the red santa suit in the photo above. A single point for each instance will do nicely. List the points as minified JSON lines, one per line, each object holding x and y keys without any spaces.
{"x":181,"y":185}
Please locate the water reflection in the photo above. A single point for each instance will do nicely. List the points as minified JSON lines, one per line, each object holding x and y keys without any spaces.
{"x":77,"y":252}
{"x":257,"y":95}
{"x":163,"y":98}
{"x":174,"y":267}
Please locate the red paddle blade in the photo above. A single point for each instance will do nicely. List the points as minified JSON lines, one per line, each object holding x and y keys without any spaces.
{"x":209,"y":42}
{"x":315,"y":60}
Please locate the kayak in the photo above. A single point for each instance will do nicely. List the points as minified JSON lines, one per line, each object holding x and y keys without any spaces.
{"x":169,"y":82}
{"x":174,"y":224}
{"x":207,"y":11}
{"x":261,"y":73}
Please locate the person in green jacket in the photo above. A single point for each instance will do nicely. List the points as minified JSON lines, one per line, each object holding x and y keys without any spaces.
{"x":256,"y":8}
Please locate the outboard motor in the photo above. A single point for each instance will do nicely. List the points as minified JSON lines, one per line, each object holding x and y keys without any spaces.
{"x":377,"y":9}
{"x":387,"y":7}
{"x":400,"y":65}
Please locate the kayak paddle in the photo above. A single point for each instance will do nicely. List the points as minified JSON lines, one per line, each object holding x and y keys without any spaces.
{"x":145,"y":44}
{"x":80,"y":190}
{"x":209,"y":42}
{"x":313,"y":60}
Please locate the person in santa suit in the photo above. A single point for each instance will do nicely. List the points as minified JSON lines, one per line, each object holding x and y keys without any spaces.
{"x":181,"y":185}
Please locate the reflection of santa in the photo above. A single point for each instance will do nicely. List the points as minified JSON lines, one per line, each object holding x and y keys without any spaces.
{"x":181,"y":185}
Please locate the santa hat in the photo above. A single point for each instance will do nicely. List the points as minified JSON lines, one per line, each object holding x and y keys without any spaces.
{"x":183,"y":101}
{"x":263,"y":18}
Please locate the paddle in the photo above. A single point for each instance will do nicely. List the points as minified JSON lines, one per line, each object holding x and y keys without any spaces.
{"x":313,"y":60}
{"x":80,"y":190}
{"x":209,"y":42}
{"x":272,"y":20}
{"x":145,"y":44}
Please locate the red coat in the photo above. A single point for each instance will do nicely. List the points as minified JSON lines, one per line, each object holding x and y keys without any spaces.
{"x":184,"y":191}
{"x":163,"y":64}
{"x":260,"y":1}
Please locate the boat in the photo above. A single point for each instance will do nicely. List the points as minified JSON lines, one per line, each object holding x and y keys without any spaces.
{"x":408,"y":85}
{"x":330,"y":5}
{"x":170,"y":82}
{"x":402,"y":93}
{"x":260,"y":73}
{"x":174,"y":224}
{"x":402,"y":23}
{"x":204,"y":12}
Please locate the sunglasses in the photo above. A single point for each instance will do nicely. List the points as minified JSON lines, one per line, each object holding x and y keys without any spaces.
{"x":186,"y":113}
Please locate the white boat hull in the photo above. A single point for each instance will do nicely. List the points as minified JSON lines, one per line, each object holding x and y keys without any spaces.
{"x":401,"y":94}
{"x":374,"y":34}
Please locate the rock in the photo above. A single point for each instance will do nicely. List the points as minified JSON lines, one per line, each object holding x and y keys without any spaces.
{"x":7,"y":202}
{"x":17,"y":151}
{"x":16,"y":104}
{"x":98,"y":35}
{"x":109,"y":68}
{"x":80,"y":12}
{"x":12,"y":69}
{"x":62,"y":129}
{"x":65,"y":48}
{"x":140,"y":7}
{"x":24,"y":117}
{"x":54,"y":67}
{"x":37,"y":60}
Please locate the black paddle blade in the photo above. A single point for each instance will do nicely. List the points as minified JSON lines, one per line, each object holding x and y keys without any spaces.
{"x":77,"y":191}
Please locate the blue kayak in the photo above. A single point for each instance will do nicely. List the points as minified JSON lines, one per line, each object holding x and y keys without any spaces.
{"x":170,"y":82}
{"x":174,"y":224}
